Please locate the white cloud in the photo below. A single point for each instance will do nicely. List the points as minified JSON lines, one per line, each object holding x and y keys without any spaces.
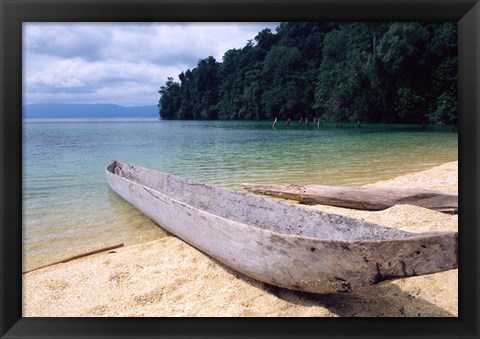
{"x":66,"y":39}
{"x":77,"y":80}
{"x":119,"y":63}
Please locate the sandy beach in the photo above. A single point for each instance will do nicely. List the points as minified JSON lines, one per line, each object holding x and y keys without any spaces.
{"x":167,"y":277}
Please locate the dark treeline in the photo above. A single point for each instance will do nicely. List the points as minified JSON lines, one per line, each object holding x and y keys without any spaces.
{"x":368,"y":72}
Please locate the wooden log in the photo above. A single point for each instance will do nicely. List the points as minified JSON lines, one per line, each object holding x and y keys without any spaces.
{"x":373,"y":199}
{"x":76,"y":257}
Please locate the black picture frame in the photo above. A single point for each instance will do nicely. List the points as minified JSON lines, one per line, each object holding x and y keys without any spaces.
{"x":14,"y":12}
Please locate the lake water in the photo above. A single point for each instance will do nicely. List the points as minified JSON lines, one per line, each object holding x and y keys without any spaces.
{"x":68,"y":207}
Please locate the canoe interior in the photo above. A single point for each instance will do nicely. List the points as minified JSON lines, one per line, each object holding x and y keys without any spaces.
{"x":264,"y":213}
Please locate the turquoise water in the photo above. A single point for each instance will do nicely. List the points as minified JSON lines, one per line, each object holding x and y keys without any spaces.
{"x":68,"y":207}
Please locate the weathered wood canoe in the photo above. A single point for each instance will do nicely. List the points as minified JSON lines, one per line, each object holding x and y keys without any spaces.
{"x":281,"y":244}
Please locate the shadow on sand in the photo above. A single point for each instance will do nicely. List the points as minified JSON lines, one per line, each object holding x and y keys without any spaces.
{"x":383,"y":300}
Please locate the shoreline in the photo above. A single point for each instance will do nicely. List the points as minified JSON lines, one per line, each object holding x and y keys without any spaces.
{"x":167,"y":277}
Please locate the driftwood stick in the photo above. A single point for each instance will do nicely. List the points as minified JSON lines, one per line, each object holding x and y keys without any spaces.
{"x":77,"y":257}
{"x":362,"y":198}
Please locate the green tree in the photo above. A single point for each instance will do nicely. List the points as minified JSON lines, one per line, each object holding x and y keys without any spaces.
{"x":169,"y":100}
{"x":353,"y":71}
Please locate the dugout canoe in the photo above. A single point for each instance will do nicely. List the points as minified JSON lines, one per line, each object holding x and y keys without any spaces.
{"x":290,"y":246}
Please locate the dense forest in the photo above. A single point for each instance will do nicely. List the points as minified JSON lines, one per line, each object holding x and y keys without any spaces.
{"x":344,"y":72}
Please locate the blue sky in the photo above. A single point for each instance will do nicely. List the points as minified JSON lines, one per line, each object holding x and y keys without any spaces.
{"x":119,"y":63}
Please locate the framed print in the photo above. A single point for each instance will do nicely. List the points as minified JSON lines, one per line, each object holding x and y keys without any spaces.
{"x":364,"y":115}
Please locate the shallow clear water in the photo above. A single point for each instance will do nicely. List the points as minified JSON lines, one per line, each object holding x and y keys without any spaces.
{"x":68,"y":207}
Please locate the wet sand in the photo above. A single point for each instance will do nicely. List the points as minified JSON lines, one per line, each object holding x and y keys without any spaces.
{"x":167,"y":277}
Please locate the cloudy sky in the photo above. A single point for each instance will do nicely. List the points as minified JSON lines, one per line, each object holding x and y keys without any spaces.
{"x":119,"y":63}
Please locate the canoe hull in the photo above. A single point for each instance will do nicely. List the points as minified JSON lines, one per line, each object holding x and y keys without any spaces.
{"x":289,"y":261}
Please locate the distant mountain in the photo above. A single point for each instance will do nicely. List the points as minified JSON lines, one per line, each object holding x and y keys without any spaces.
{"x":61,"y":111}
